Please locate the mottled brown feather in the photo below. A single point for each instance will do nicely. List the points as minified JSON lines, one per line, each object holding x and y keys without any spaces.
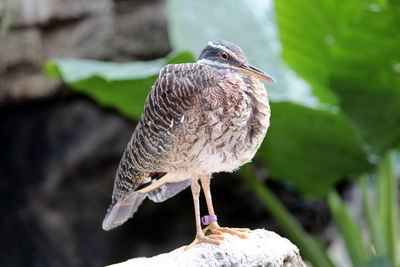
{"x":173,"y":94}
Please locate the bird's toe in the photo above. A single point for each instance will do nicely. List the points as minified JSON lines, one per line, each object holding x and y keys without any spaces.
{"x":234,"y":231}
{"x":210,"y":239}
{"x":218,"y":230}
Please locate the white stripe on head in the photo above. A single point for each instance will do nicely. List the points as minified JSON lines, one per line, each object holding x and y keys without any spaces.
{"x":225,"y":49}
{"x":219,"y":47}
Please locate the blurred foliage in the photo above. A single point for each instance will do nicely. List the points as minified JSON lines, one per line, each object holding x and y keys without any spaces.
{"x":377,"y":262}
{"x":5,"y":17}
{"x":352,"y":48}
{"x":123,"y":86}
{"x":381,"y":216}
{"x":350,"y":230}
{"x":309,"y":246}
{"x":376,"y":245}
{"x":335,"y":109}
{"x":310,"y":147}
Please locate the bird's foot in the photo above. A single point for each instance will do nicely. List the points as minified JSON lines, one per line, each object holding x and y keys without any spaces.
{"x":218,"y":230}
{"x":211,"y":239}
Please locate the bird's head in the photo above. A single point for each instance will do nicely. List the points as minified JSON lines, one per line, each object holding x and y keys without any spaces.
{"x":226,"y":55}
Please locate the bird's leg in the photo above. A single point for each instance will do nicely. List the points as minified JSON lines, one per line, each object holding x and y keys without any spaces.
{"x":200,"y":237}
{"x":213,"y":226}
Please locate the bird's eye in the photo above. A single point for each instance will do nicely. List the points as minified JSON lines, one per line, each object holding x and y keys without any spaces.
{"x":224,"y":56}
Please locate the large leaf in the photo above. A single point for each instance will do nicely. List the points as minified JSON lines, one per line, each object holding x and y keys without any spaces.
{"x":354,"y":48}
{"x":250,"y":25}
{"x":308,"y":143}
{"x":311,"y":148}
{"x":123,"y":86}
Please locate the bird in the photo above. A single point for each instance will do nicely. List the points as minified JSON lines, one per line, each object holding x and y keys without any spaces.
{"x":200,"y":118}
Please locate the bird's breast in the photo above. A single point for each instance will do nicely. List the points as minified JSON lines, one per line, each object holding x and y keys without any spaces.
{"x":225,"y":130}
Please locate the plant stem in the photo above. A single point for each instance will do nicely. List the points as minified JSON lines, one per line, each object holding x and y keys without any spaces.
{"x":349,"y":229}
{"x":374,"y":224}
{"x":309,"y":247}
{"x":387,"y":204}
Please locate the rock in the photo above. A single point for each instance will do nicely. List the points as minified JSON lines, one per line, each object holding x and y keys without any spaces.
{"x":141,"y":32}
{"x":24,"y":85}
{"x":33,"y":12}
{"x":103,"y":29}
{"x":23,"y":79}
{"x":22,"y":46}
{"x":87,"y":38}
{"x":57,"y":165}
{"x":262,"y":248}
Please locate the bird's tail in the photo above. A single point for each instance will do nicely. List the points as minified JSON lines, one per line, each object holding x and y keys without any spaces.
{"x":120,"y":211}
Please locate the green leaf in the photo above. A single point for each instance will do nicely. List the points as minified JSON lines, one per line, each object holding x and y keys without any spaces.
{"x":376,"y":262}
{"x":73,"y":70}
{"x":311,"y":148}
{"x":352,"y":48}
{"x":381,"y":209}
{"x":309,"y":247}
{"x":305,"y":142}
{"x":123,"y":86}
{"x":249,"y":25}
{"x":387,"y":205}
{"x":349,"y":229}
{"x":127,"y":96}
{"x":376,"y":229}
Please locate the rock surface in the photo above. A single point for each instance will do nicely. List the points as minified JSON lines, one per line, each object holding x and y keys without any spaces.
{"x":262,"y":248}
{"x":39,"y":30}
{"x":32,"y":12}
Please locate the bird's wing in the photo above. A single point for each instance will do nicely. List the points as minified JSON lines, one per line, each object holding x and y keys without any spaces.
{"x":174,"y":93}
{"x":172,"y":96}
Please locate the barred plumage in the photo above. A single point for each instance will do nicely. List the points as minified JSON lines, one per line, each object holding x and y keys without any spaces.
{"x":199,"y":118}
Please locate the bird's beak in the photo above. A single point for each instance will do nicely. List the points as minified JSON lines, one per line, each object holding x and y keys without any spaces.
{"x":253,"y":71}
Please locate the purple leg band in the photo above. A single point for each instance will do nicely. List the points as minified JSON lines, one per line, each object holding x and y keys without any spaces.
{"x":206,"y":220}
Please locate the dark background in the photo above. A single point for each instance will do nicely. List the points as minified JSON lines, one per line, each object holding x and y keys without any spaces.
{"x":58,"y":161}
